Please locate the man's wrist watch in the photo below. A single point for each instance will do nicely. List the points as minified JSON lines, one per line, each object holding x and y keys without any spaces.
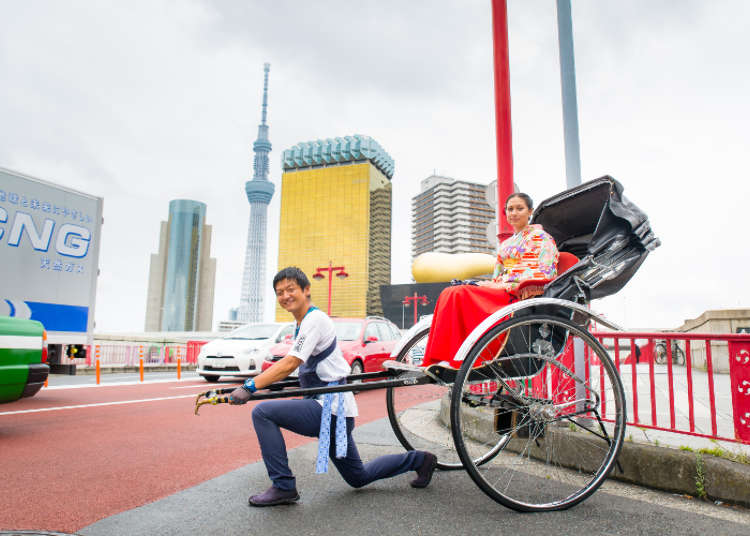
{"x":249,"y":385}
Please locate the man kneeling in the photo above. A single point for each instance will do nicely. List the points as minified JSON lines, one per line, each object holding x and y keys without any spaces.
{"x":320,"y":362}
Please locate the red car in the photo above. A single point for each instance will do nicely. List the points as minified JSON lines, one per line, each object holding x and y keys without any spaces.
{"x":365,"y":343}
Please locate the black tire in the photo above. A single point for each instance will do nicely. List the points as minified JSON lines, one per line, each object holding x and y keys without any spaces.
{"x":557,"y":449}
{"x":356,"y":368}
{"x":424,"y":425}
{"x":210,"y":379}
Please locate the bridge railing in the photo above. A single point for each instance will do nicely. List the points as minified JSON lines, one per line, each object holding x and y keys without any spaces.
{"x":690,"y":383}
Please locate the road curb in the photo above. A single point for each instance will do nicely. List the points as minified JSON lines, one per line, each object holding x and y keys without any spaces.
{"x":651,"y":466}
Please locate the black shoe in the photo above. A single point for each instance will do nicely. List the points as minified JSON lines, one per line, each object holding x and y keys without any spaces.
{"x":425,"y":471}
{"x":273,"y":497}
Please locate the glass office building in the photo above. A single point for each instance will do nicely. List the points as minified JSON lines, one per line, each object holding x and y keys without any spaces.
{"x":182,"y":275}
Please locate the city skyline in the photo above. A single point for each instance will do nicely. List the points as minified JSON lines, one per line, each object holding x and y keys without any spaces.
{"x":661,"y":94}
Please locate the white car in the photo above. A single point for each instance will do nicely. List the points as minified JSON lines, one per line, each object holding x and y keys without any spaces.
{"x":240,"y":352}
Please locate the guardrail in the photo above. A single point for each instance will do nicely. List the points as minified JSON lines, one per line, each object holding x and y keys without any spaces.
{"x":131,"y":354}
{"x":690,"y":383}
{"x":141,"y":355}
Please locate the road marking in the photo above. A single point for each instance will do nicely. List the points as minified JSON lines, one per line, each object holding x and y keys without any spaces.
{"x":207,"y":387}
{"x":58,"y":408}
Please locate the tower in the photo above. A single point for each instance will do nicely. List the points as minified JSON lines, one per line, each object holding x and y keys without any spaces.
{"x":259,"y":192}
{"x":336,"y":208}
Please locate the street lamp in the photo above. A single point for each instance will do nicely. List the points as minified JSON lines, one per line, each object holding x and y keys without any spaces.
{"x":415,"y":300}
{"x":340,"y":273}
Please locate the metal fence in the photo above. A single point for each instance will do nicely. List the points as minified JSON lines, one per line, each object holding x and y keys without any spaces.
{"x":693,"y":384}
{"x":131,"y":354}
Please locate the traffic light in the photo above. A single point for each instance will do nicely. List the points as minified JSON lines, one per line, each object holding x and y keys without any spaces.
{"x":76,"y":351}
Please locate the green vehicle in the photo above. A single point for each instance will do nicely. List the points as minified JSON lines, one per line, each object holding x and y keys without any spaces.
{"x":23,"y":356}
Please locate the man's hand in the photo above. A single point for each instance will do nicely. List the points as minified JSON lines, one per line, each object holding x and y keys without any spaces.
{"x":240,"y":396}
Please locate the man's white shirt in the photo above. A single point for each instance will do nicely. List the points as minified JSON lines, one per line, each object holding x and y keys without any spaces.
{"x":316,"y":333}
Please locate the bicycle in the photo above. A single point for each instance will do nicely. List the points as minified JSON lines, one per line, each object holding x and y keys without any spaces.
{"x":660,"y":351}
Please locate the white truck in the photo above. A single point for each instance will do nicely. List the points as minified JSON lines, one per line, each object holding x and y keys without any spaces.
{"x":49,"y":261}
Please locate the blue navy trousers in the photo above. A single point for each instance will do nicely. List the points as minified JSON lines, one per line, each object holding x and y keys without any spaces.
{"x":303,"y":417}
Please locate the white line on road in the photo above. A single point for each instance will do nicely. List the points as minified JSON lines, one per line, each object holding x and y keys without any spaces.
{"x":58,"y":408}
{"x":203,"y":386}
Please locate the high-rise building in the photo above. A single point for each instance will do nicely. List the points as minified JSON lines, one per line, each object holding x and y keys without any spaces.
{"x":182,"y":275}
{"x":451,"y":216}
{"x":336,"y":211}
{"x":259,"y":192}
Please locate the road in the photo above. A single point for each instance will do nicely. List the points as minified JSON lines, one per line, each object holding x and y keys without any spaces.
{"x":132,"y":459}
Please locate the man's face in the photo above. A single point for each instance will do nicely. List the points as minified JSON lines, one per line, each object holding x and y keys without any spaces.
{"x":291,"y":296}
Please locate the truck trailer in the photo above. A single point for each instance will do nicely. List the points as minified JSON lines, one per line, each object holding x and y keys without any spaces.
{"x":49,"y":261}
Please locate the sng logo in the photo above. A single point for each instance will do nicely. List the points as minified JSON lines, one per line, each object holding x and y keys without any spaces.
{"x":72,"y":240}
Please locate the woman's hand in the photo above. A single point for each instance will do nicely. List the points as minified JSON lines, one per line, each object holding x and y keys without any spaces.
{"x":493,"y":284}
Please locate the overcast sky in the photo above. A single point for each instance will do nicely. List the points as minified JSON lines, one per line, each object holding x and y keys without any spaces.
{"x":142,"y":102}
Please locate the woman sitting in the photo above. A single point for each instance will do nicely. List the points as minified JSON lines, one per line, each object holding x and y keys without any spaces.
{"x":530,"y":254}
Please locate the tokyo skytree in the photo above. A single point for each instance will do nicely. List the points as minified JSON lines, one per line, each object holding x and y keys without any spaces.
{"x":259,"y":192}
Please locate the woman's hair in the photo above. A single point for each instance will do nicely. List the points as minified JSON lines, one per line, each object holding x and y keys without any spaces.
{"x":294,"y":274}
{"x":525,"y":197}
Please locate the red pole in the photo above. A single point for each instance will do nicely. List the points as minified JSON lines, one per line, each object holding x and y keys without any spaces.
{"x":711,"y":394}
{"x":415,"y":308}
{"x":502,"y":114}
{"x":330,"y":283}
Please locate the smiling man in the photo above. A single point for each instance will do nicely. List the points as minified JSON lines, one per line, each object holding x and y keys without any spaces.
{"x":320,"y":362}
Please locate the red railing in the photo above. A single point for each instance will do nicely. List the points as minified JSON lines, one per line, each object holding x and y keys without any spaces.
{"x":704,"y":360}
{"x":672,"y":378}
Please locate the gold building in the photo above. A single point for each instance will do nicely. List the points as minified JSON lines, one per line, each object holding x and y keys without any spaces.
{"x":336,"y":208}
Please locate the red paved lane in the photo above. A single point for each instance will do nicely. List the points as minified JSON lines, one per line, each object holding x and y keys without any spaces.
{"x":64,"y":469}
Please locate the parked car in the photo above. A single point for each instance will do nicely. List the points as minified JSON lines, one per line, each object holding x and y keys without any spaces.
{"x":23,"y":358}
{"x":364,"y":342}
{"x":241,"y":351}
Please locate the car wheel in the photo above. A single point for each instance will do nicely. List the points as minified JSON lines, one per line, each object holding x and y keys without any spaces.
{"x":356,"y":368}
{"x":211,"y":379}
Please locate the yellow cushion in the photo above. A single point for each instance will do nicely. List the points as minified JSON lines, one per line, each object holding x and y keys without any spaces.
{"x":434,"y":267}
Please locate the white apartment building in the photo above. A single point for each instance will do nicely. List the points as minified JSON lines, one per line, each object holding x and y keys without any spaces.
{"x":451,"y":216}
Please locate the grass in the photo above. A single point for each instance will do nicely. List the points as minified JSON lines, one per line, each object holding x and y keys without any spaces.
{"x":700,"y":477}
{"x":739,"y":457}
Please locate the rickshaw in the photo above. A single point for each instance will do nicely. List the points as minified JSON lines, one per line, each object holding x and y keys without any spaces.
{"x":536,"y":413}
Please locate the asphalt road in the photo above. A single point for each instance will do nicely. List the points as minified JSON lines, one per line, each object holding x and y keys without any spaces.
{"x":132,"y":459}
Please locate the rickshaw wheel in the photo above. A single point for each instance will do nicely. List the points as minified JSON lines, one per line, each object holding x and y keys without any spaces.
{"x":419,"y":414}
{"x":562,"y":432}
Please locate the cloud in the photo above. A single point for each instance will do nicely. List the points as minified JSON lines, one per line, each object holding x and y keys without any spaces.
{"x":151,"y":101}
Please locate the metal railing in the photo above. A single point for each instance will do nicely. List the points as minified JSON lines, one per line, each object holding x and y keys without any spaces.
{"x":690,"y":383}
